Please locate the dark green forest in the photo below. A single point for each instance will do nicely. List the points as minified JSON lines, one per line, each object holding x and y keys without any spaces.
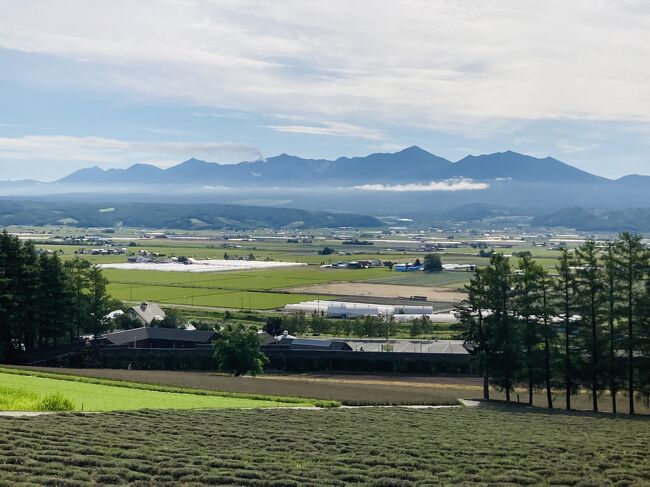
{"x":174,"y":216}
{"x":44,"y":301}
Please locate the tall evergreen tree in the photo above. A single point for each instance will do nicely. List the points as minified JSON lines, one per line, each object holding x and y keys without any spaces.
{"x":590,"y":298}
{"x":99,"y":302}
{"x":527,"y":284}
{"x":6,"y":298}
{"x":78,"y":282}
{"x":547,"y":313}
{"x":28,"y":295}
{"x":471,"y":313}
{"x":632,"y":263}
{"x":565,"y":288}
{"x":53,"y":301}
{"x":612,"y":311}
{"x":498,"y":278}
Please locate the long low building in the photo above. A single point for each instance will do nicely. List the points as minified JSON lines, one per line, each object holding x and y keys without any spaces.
{"x":341,"y":309}
{"x":165,"y":338}
{"x":456,"y":347}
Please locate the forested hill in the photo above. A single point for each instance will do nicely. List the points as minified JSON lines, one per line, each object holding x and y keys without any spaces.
{"x":178,"y":216}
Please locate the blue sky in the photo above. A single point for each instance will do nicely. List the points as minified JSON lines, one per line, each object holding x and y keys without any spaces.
{"x":112,"y":83}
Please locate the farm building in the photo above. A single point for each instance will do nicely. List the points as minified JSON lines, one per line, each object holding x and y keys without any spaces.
{"x":407,"y":268}
{"x":150,"y":337}
{"x":287,"y":343}
{"x":146,"y":313}
{"x":339,"y":309}
{"x":459,"y":267}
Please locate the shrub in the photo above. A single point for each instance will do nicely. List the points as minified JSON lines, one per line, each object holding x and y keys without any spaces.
{"x":55,"y":402}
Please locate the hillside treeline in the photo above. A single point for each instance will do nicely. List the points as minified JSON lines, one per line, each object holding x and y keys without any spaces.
{"x":583,"y":325}
{"x":44,"y":301}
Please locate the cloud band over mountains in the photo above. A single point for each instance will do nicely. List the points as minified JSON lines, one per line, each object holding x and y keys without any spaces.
{"x":448,"y":185}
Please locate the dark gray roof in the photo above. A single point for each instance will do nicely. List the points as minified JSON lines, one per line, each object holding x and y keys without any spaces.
{"x":267,"y":338}
{"x":172,"y":334}
{"x":312,"y":344}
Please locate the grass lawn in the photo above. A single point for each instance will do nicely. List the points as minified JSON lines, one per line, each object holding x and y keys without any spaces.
{"x":101,"y":397}
{"x":333,"y":447}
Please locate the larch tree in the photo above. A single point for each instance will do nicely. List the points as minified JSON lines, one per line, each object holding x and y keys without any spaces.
{"x":498,"y":279}
{"x":632,"y":264}
{"x":590,"y":297}
{"x":527,"y":282}
{"x":565,"y":285}
{"x":471,"y":313}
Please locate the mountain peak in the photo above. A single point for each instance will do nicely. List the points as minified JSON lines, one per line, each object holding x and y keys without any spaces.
{"x":413,"y":149}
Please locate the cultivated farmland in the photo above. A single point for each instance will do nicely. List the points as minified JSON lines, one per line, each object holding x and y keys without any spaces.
{"x":374,"y":446}
{"x":261,"y":289}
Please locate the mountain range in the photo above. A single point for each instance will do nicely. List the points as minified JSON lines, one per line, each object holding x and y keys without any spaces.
{"x":410,"y":165}
{"x":410,"y":183}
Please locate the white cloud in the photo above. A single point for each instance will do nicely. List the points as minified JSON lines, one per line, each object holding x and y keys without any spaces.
{"x":330,"y":128}
{"x":572,"y":148}
{"x":448,"y":185}
{"x":107,"y":152}
{"x":468,"y":66}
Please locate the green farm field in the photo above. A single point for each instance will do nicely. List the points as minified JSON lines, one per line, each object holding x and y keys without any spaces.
{"x":488,"y":445}
{"x":255,"y":289}
{"x":89,"y":396}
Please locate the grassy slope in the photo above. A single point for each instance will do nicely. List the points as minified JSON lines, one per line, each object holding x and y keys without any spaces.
{"x":100,"y":397}
{"x":380,"y":447}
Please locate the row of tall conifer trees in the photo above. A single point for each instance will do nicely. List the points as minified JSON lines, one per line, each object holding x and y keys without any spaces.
{"x":45,"y":301}
{"x":584,"y":325}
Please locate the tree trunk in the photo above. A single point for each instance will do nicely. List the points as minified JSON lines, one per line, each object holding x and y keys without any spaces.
{"x":612,"y":363}
{"x":547,"y":360}
{"x":530,"y":375}
{"x":566,"y":284}
{"x":594,"y":355}
{"x":507,"y":378}
{"x":486,"y":380}
{"x":484,"y":347}
{"x":630,"y":331}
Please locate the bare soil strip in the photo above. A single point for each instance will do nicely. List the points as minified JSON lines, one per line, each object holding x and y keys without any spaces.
{"x":354,"y":390}
{"x":432,"y":294}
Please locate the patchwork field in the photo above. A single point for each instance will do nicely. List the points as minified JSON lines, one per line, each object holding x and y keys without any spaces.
{"x":274,"y":288}
{"x":333,"y":447}
{"x":102,"y":397}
